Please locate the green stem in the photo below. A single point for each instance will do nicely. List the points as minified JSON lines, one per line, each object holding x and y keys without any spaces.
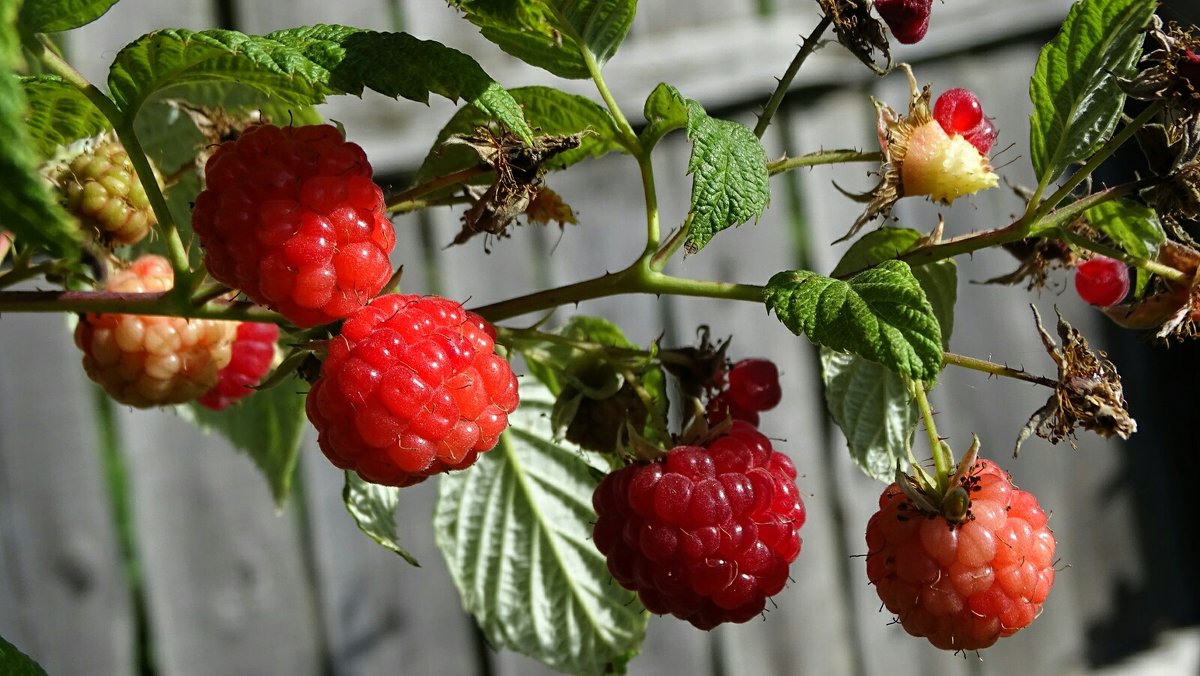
{"x":409,"y":206}
{"x":161,"y":303}
{"x":1153,"y":267}
{"x":176,"y":251}
{"x":434,"y":184}
{"x":628,"y":137}
{"x":995,"y":369}
{"x":650,"y":196}
{"x":785,"y":82}
{"x":943,"y":462}
{"x":837,"y":156}
{"x":659,"y":260}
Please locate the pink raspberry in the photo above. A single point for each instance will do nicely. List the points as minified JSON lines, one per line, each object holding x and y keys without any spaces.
{"x":253,"y":352}
{"x":410,"y":388}
{"x":707,"y":533}
{"x":291,"y":218}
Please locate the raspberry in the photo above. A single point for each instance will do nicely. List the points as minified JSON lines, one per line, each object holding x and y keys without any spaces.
{"x":958,"y":111}
{"x":754,"y":384}
{"x":148,"y":361}
{"x":706,"y":533}
{"x":722,"y":406}
{"x":409,"y":389}
{"x":103,"y":191}
{"x":963,"y":582}
{"x":908,"y":19}
{"x":1101,"y":281}
{"x":253,"y":352}
{"x":291,"y":218}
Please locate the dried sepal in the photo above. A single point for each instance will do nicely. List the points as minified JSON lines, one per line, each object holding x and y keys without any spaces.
{"x":1089,"y":392}
{"x":859,"y":31}
{"x":1170,"y":72}
{"x":1038,"y":257}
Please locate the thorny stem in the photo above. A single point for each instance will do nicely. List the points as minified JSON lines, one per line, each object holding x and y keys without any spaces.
{"x":409,"y":206}
{"x":992,"y":368}
{"x":943,"y":461}
{"x":123,"y":125}
{"x":838,"y":156}
{"x":412,"y":194}
{"x":785,"y":82}
{"x":161,"y":303}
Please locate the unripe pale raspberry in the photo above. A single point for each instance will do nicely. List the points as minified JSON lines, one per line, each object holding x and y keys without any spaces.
{"x":963,"y":583}
{"x":410,"y":388}
{"x":706,"y":533}
{"x":253,"y":352}
{"x":103,"y":191}
{"x":942,"y":166}
{"x":291,"y":217}
{"x":149,"y":361}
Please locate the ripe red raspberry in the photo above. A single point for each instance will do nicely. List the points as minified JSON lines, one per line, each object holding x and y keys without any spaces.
{"x":908,"y":19}
{"x":722,"y":406}
{"x":1101,"y":281}
{"x":103,"y":191}
{"x":962,"y":580}
{"x":148,"y":361}
{"x":754,"y":384}
{"x":958,"y":111}
{"x":409,"y":389}
{"x":706,"y":533}
{"x":253,"y":352}
{"x":291,"y":218}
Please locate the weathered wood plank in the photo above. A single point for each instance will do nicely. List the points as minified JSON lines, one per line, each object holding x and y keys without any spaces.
{"x":64,"y":595}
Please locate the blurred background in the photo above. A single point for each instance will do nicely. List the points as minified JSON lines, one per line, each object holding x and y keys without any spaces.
{"x":130,"y":543}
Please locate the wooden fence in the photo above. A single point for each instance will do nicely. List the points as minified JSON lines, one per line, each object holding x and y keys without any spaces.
{"x":187,"y":568}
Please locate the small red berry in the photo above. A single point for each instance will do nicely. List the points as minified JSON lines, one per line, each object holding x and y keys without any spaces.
{"x":706,"y":533}
{"x":1102,"y":281}
{"x":253,"y":352}
{"x":960,"y":579}
{"x":908,"y":19}
{"x":410,"y":388}
{"x":722,"y":406}
{"x":754,"y":384}
{"x":290,"y":217}
{"x":958,"y":111}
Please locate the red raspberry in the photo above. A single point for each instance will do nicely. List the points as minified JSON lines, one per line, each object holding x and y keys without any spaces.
{"x":706,"y":533}
{"x":148,"y":361}
{"x":253,"y":352}
{"x":722,"y":406}
{"x":1102,"y":281}
{"x":963,"y":583}
{"x":958,"y":111}
{"x":291,"y":218}
{"x":754,"y":384}
{"x":908,"y":19}
{"x":411,"y":388}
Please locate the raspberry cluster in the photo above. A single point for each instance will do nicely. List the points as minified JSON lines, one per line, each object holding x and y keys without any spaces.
{"x":958,"y":111}
{"x":706,"y":533}
{"x":253,"y":352}
{"x":104,"y":192}
{"x":966,"y":580}
{"x":751,"y":387}
{"x":410,"y":388}
{"x":290,"y":217}
{"x":149,"y":361}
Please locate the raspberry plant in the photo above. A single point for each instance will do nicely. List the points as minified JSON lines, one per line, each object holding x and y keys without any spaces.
{"x":644,"y":454}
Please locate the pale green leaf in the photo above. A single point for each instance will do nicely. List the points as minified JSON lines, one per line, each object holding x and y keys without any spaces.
{"x":374,"y":510}
{"x":873,"y":408}
{"x":515,"y":530}
{"x":48,"y":16}
{"x":665,"y":110}
{"x":880,"y":314}
{"x":1076,"y":101}
{"x":59,"y":114}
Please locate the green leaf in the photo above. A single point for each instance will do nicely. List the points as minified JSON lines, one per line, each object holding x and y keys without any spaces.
{"x":939,"y":281}
{"x":30,"y":211}
{"x":873,"y":408}
{"x":13,"y":662}
{"x":302,"y":66}
{"x":268,"y":426}
{"x":515,"y":530}
{"x":48,"y":16}
{"x":59,"y":114}
{"x":548,"y":110}
{"x":881,"y":314}
{"x":875,"y":247}
{"x":1074,"y":90}
{"x":553,"y":34}
{"x":1133,"y":226}
{"x":729,"y":176}
{"x":374,"y":510}
{"x":665,"y":110}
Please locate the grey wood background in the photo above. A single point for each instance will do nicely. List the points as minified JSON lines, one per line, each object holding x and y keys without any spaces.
{"x":210,"y":579}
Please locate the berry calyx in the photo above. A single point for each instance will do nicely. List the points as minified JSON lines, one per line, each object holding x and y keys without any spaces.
{"x":958,"y":111}
{"x":291,"y":218}
{"x":104,"y":192}
{"x":754,"y":384}
{"x":410,"y":388}
{"x":1102,"y":281}
{"x":907,"y":19}
{"x":963,"y":577}
{"x":706,"y":533}
{"x":149,"y":361}
{"x":253,"y":352}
